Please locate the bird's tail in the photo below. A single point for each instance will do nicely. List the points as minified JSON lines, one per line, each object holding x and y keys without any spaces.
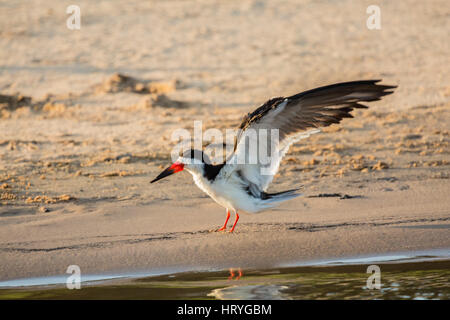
{"x":280,"y":196}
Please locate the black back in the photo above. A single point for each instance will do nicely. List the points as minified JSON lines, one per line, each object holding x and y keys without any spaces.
{"x":211,"y":171}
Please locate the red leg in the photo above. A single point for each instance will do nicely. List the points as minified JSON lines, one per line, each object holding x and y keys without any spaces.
{"x":226,"y":221}
{"x":235,"y":222}
{"x":231,"y":274}
{"x":240,"y":274}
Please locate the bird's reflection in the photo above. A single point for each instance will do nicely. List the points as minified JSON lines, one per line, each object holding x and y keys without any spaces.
{"x":235,"y":275}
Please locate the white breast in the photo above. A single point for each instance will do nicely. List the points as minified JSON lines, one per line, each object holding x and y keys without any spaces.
{"x":228,"y":192}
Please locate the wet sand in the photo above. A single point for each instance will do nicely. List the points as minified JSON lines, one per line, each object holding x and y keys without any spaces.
{"x":158,"y":237}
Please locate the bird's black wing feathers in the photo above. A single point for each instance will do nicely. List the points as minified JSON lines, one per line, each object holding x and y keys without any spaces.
{"x":319,"y":107}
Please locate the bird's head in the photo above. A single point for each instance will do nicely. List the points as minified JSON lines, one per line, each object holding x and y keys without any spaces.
{"x":191,"y":160}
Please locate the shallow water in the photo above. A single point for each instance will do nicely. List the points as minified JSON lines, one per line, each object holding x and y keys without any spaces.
{"x":399,"y":280}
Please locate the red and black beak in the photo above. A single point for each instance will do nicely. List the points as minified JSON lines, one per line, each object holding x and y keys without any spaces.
{"x":176,"y":167}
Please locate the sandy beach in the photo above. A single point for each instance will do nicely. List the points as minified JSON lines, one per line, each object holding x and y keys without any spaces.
{"x":87,"y":116}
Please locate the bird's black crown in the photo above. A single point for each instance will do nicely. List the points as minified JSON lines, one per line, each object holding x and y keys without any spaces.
{"x":195,"y":154}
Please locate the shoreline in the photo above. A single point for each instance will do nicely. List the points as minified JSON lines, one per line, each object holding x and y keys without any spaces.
{"x":111,"y":278}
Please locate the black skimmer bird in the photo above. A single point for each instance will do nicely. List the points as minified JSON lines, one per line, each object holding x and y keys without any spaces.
{"x":241,"y":182}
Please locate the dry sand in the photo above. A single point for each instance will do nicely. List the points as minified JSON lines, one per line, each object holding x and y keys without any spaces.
{"x":86,"y":119}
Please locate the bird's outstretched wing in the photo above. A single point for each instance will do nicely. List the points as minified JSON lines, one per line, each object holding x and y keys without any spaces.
{"x":280,"y":122}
